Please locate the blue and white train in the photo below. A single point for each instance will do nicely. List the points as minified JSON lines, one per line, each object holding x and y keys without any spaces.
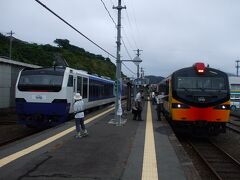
{"x":44,"y":96}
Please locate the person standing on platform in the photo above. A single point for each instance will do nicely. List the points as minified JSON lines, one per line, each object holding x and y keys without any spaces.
{"x":153,"y":98}
{"x":159,"y":100}
{"x":78,"y":108}
{"x":139,"y":106}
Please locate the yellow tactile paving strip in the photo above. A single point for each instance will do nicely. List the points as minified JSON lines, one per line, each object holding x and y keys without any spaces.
{"x":149,"y":170}
{"x":34,"y":147}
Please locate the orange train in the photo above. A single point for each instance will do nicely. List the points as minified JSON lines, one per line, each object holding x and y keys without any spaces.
{"x":197,"y":100}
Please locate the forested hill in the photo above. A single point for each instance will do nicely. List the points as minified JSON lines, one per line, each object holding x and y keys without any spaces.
{"x":154,"y":79}
{"x":44,"y":55}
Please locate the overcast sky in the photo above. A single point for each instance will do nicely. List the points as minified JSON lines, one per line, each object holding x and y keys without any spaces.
{"x":172,"y":33}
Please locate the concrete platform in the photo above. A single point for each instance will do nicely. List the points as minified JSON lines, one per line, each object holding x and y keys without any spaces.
{"x":109,"y":152}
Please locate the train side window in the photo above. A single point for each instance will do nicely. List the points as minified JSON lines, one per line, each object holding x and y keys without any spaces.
{"x":85,"y":87}
{"x":79,"y":84}
{"x":74,"y":85}
{"x":70,"y":81}
{"x":93,"y":88}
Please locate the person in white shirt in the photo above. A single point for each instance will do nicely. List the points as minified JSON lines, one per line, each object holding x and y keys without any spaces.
{"x":153,"y":98}
{"x":138,"y":96}
{"x":138,"y":105}
{"x":159,"y":100}
{"x":78,"y":108}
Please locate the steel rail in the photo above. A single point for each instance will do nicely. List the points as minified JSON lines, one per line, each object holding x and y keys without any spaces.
{"x":222,"y":165}
{"x":8,"y":141}
{"x":233,"y":127}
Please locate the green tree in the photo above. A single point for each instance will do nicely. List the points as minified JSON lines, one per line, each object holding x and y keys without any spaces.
{"x":63,"y":43}
{"x":44,"y":55}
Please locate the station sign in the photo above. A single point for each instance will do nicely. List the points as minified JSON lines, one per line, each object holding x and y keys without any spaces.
{"x":117,"y":87}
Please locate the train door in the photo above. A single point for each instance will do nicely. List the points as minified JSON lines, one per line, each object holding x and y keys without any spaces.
{"x":85,"y":89}
{"x":74,"y":89}
{"x":70,"y":90}
{"x":80,"y":85}
{"x":74,"y":85}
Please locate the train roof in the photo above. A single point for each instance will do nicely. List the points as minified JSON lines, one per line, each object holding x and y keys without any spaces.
{"x":61,"y":69}
{"x":39,"y":71}
{"x":200,"y":69}
{"x":57,"y":68}
{"x":101,"y":78}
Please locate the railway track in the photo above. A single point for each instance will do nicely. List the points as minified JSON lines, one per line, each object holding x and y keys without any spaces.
{"x":234,"y":115}
{"x":10,"y":131}
{"x":7,"y":122}
{"x":233,"y":123}
{"x":233,"y":126}
{"x":11,"y":139}
{"x":222,"y":165}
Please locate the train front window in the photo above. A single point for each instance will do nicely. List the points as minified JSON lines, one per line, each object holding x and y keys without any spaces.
{"x":46,"y":82}
{"x":200,"y":83}
{"x":51,"y":80}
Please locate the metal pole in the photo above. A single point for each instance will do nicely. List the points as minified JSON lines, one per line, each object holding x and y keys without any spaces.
{"x":237,"y":66}
{"x":129,"y":102}
{"x":118,"y":108}
{"x":137,"y":71}
{"x":10,"y":48}
{"x":138,"y":54}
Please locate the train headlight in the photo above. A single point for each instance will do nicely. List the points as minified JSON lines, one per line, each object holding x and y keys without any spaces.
{"x":180,"y":106}
{"x":222,"y":107}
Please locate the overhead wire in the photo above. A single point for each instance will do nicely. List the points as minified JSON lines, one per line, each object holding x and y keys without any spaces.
{"x":130,"y":24}
{"x":129,"y":69}
{"x":116,"y":26}
{"x":112,"y":2}
{"x":131,"y":28}
{"x":126,"y":49}
{"x":74,"y":28}
{"x":135,"y":20}
{"x":109,"y":14}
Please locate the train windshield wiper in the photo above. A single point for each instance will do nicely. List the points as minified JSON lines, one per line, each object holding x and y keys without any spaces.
{"x":216,"y":90}
{"x":185,"y":89}
{"x":200,"y":88}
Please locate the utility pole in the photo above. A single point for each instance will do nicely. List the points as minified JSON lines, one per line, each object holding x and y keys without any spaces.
{"x":138,"y":54}
{"x":118,"y":106}
{"x":237,"y":66}
{"x":10,"y":48}
{"x":142,"y":73}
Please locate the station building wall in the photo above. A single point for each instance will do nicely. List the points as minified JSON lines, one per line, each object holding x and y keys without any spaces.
{"x":9,"y":71}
